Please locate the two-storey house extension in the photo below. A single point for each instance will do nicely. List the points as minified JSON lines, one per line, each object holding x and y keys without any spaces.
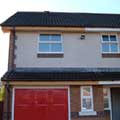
{"x":62,"y":66}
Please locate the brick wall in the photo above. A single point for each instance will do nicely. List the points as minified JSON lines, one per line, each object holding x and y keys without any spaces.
{"x":76,"y":106}
{"x":1,"y":110}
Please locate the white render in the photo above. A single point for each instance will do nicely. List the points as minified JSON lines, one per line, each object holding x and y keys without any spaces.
{"x":77,"y":53}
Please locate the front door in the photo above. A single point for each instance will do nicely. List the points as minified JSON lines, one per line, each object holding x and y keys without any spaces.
{"x":115,"y":98}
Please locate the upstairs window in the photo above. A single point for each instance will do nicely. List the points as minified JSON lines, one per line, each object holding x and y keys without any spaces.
{"x":50,"y":43}
{"x":110,"y":44}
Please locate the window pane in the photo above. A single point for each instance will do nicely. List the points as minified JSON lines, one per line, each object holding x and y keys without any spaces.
{"x":87,"y":104}
{"x":56,"y":47}
{"x":106,"y":103}
{"x":56,"y":37}
{"x":105,"y":92}
{"x":113,"y":38}
{"x":86,"y":91}
{"x":114,"y":47}
{"x":44,"y":47}
{"x":105,"y":38}
{"x":44,"y":37}
{"x":105,"y":47}
{"x":106,"y":98}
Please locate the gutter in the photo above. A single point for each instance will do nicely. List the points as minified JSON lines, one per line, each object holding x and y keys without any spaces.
{"x":10,"y":67}
{"x":61,"y":29}
{"x":7,"y":101}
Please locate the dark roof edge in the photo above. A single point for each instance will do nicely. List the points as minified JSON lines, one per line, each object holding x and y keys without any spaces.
{"x":62,"y":74}
{"x":67,"y":12}
{"x":2,"y":24}
{"x":69,"y":69}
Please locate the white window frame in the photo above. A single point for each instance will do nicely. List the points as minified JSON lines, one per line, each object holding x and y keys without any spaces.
{"x":110,"y":42}
{"x":50,"y":42}
{"x":91,"y":111}
{"x":108,"y":97}
{"x":91,"y":97}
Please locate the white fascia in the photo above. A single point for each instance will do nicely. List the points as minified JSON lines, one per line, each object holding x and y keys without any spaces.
{"x":109,"y":82}
{"x":102,"y":29}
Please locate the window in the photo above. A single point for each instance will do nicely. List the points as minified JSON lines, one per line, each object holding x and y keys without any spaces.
{"x":86,"y":98}
{"x":50,"y":43}
{"x":110,"y":44}
{"x":106,"y":93}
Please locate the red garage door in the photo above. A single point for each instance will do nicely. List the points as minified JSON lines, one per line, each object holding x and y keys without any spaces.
{"x":41,"y":104}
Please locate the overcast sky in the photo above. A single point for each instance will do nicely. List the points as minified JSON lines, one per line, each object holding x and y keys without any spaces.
{"x":9,"y":7}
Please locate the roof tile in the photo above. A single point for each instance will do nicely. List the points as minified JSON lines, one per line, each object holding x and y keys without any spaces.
{"x":61,"y":19}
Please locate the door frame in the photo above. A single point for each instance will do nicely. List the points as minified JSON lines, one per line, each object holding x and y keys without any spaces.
{"x":110,"y":102}
{"x":41,"y":87}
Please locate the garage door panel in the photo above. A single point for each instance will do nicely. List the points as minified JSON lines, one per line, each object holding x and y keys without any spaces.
{"x":23,"y":97}
{"x":59,"y":96}
{"x":41,"y":104}
{"x":41,"y":96}
{"x":26,"y":115}
{"x":58,"y":99}
{"x":41,"y":113}
{"x":60,"y":113}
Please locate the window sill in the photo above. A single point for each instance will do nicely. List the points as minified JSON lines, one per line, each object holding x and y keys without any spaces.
{"x":87,"y":113}
{"x":111,"y":55}
{"x":50,"y":55}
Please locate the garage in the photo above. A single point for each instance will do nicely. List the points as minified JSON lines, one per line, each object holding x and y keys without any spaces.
{"x":41,"y":104}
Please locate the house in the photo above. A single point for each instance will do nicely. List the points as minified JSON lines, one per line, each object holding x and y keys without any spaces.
{"x":62,"y":66}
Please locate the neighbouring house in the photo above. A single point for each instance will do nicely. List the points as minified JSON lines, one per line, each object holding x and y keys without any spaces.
{"x":62,"y":66}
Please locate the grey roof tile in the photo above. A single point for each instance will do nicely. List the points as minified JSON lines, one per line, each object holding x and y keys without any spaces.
{"x":61,"y":19}
{"x":64,"y":74}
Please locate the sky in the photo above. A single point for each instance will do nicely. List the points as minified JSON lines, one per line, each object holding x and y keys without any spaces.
{"x":9,"y":7}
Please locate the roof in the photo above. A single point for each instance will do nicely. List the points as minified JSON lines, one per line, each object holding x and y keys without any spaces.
{"x":62,"y":19}
{"x":62,"y":74}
